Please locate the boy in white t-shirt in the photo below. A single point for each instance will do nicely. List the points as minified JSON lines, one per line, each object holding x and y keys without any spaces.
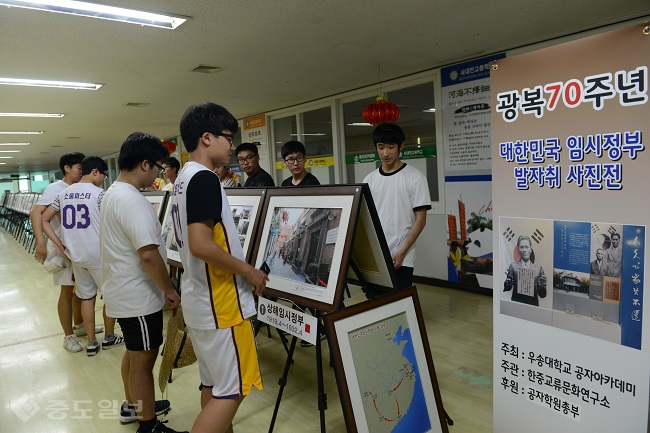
{"x":218,"y":284}
{"x":78,"y":209}
{"x":135,"y":282}
{"x":68,"y":305}
{"x":401,"y":196}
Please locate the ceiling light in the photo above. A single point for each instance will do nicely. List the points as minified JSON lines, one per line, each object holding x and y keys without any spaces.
{"x":315,"y":134}
{"x":6,"y":157}
{"x":9,"y":151}
{"x":359,"y":124}
{"x":48,"y":83}
{"x":20,"y":133}
{"x":14,"y":144}
{"x":31,"y":115}
{"x":430,"y":110}
{"x":100,"y":11}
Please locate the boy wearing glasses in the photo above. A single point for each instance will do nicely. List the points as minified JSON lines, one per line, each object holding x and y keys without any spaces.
{"x":249,"y":160}
{"x":218,"y":284}
{"x":293,"y":155}
{"x":78,"y":207}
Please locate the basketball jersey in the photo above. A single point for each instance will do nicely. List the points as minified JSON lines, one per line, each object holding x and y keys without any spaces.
{"x":212,"y":298}
{"x":78,"y":207}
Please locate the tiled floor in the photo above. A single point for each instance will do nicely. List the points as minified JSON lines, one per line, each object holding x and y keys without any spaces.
{"x":43,"y":388}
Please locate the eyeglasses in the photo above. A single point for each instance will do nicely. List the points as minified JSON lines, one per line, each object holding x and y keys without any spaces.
{"x":246,"y":160}
{"x":229,"y":137}
{"x":161,"y":169}
{"x":105,"y":175}
{"x":299,"y":158}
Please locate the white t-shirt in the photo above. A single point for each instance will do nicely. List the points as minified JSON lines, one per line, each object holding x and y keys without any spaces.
{"x":397,"y":196}
{"x":128,"y":222}
{"x":78,"y":207}
{"x":51,"y":192}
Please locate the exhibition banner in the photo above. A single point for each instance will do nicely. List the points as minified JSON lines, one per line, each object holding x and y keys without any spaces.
{"x":468,"y":168}
{"x":570,"y":210}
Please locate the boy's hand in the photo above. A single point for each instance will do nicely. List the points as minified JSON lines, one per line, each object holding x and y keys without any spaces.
{"x":40,"y":253}
{"x":173,"y":301}
{"x":258,"y":279}
{"x":398,"y":258}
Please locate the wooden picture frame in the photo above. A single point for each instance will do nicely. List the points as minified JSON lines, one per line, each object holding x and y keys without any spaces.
{"x":246,"y":205}
{"x":305,"y":237}
{"x":379,"y":383}
{"x":169,"y":239}
{"x":158,"y":199}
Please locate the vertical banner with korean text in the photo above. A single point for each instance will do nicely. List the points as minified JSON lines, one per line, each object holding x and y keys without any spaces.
{"x":254,"y":131}
{"x":569,"y":191}
{"x":468,"y":171}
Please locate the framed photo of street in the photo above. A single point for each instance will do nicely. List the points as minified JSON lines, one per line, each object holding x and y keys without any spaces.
{"x":169,"y":239}
{"x":246,"y":205}
{"x":305,"y":237}
{"x":383,"y":366}
{"x":158,"y":200}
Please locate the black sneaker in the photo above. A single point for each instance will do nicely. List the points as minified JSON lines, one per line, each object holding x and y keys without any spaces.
{"x":92,"y":349}
{"x":161,"y":428}
{"x":112,"y":341}
{"x":128,"y":413}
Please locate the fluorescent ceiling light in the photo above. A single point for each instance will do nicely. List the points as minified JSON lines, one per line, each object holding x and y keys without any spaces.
{"x":316,"y":134}
{"x":20,"y":133}
{"x":6,"y":157}
{"x":430,"y":110}
{"x":31,"y":115}
{"x":9,"y":151}
{"x":100,"y":11}
{"x":48,"y":83}
{"x":14,"y":144}
{"x":359,"y":124}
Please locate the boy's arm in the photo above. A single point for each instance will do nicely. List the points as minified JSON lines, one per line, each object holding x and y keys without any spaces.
{"x":155,"y":267}
{"x":202,"y":246}
{"x":36,"y":217}
{"x":47,"y":216}
{"x":418,"y":226}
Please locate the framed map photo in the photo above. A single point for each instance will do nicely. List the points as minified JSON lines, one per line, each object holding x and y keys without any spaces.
{"x":246,"y":205}
{"x":169,"y":239}
{"x":384,"y":371}
{"x":305,"y":238}
{"x":158,"y":199}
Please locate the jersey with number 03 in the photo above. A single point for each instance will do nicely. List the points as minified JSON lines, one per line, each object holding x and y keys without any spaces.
{"x":78,"y":207}
{"x":212,"y":298}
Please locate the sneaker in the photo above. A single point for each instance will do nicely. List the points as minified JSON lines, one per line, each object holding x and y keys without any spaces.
{"x":93,"y":348}
{"x":112,"y":341}
{"x":128,"y":413}
{"x":72,"y":344}
{"x":80,"y":330}
{"x":161,"y":428}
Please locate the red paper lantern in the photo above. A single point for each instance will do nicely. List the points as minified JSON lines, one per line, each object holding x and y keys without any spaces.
{"x":169,"y":145}
{"x":381,"y":111}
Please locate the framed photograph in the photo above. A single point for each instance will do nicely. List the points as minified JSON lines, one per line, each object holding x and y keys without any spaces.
{"x":305,"y":238}
{"x":246,"y":205}
{"x":169,"y":239}
{"x":384,"y":371}
{"x":158,"y":199}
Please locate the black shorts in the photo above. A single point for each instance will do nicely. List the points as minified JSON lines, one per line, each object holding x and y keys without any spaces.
{"x":142,"y":332}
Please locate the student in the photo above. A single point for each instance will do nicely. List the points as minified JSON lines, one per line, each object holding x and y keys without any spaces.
{"x":401,"y":195}
{"x":249,"y":160}
{"x":135,"y":282}
{"x":293,"y":155}
{"x":171,"y":166}
{"x":80,"y":242}
{"x":228,"y":178}
{"x":68,"y":305}
{"x":218,"y":284}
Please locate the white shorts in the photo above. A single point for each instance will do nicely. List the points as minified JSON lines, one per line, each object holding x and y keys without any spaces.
{"x":64,"y":277}
{"x":227,"y":359}
{"x":87,"y":281}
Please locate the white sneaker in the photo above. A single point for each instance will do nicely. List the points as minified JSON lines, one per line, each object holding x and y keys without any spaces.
{"x":80,"y":330}
{"x":72,"y":344}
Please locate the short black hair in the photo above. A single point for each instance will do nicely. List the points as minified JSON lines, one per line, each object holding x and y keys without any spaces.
{"x":139,"y":147}
{"x":617,"y":235}
{"x":247,"y":146}
{"x":202,"y":118}
{"x":93,"y":162}
{"x":70,"y":159}
{"x":388,"y":133}
{"x":173,"y":163}
{"x":292,"y":147}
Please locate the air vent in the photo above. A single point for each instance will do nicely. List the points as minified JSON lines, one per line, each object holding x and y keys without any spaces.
{"x":73,"y":138}
{"x":205,"y":69}
{"x":136,"y":104}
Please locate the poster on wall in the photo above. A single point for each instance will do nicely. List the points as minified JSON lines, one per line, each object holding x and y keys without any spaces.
{"x":568,"y":152}
{"x":466,"y":130}
{"x":254,"y":130}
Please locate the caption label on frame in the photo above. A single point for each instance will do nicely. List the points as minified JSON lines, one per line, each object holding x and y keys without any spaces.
{"x":294,"y":322}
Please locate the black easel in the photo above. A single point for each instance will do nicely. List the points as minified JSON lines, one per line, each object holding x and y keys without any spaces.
{"x":322,"y":396}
